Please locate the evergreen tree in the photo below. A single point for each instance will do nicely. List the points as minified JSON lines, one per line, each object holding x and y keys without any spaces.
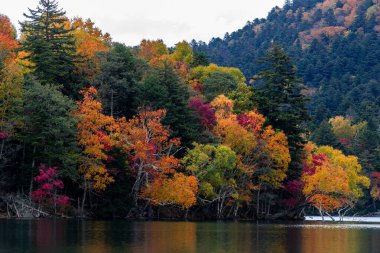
{"x":49,"y":133}
{"x":200,"y":59}
{"x":278,"y":96}
{"x":219,"y":83}
{"x":324,"y":135}
{"x":164,"y":89}
{"x":50,"y":44}
{"x":117,"y":81}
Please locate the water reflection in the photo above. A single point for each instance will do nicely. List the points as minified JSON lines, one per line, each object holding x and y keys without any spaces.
{"x":185,"y":237}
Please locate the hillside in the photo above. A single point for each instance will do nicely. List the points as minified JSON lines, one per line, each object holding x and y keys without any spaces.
{"x":334,"y":43}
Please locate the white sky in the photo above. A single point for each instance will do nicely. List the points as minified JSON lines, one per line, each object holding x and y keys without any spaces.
{"x":131,"y":21}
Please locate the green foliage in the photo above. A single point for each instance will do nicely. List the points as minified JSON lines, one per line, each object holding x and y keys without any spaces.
{"x":200,"y":73}
{"x":49,"y":131}
{"x":216,"y":170}
{"x":117,"y":81}
{"x":324,"y":136}
{"x":242,"y":97}
{"x":51,"y":45}
{"x":183,"y":52}
{"x":279,"y":98}
{"x":164,"y":89}
{"x":200,"y":59}
{"x":218,"y":83}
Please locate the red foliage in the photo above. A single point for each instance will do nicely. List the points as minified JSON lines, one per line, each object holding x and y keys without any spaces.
{"x":317,"y":160}
{"x":48,"y":185}
{"x":345,"y":142}
{"x":3,"y":135}
{"x":294,"y":187}
{"x":206,"y":113}
{"x":252,"y":121}
{"x":375,"y":175}
{"x":290,"y":202}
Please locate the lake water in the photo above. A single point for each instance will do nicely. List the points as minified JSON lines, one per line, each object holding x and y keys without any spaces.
{"x":55,"y":236}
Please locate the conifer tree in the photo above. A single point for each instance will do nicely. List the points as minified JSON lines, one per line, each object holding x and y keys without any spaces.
{"x":163,"y":89}
{"x":50,"y":44}
{"x":278,"y":96}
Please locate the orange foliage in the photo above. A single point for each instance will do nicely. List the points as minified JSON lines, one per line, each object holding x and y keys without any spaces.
{"x":149,"y":145}
{"x":180,"y":190}
{"x":307,"y":37}
{"x":94,"y":136}
{"x":89,"y":41}
{"x":223,"y":106}
{"x":258,"y":146}
{"x":150,"y":49}
{"x":8,"y":40}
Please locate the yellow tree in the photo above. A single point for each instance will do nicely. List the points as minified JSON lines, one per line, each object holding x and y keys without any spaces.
{"x":261,"y":149}
{"x":344,"y":130}
{"x":332,"y":180}
{"x":183,"y":52}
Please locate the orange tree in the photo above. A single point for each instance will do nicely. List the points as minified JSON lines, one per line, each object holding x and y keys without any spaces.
{"x":89,"y":40}
{"x":95,"y":137}
{"x":152,"y":163}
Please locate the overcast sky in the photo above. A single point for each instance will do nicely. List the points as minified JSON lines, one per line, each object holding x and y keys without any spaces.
{"x":130,"y":21}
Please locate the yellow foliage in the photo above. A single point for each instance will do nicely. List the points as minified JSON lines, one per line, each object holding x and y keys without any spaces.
{"x":179,"y":190}
{"x":223,"y":106}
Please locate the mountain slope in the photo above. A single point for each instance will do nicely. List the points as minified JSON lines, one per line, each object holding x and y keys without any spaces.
{"x":334,"y":43}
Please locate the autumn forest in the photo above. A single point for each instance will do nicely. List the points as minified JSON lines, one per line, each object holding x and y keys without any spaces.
{"x":93,"y":128}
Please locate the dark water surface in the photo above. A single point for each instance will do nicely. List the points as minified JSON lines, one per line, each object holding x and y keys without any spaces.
{"x":55,"y":236}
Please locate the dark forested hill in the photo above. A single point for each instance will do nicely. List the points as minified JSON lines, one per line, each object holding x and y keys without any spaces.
{"x":334,"y":43}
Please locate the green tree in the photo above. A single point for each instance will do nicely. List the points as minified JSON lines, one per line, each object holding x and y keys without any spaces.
{"x":49,"y":132}
{"x":51,"y":45}
{"x":324,"y":135}
{"x":117,"y":81}
{"x":242,"y":97}
{"x":278,"y":96}
{"x":200,"y":59}
{"x":218,"y":83}
{"x":217,"y":173}
{"x":164,"y":89}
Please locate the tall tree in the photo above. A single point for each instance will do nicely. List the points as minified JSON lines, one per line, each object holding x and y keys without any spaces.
{"x":164,"y":89}
{"x":278,"y":96}
{"x":117,"y":81}
{"x":49,"y":129}
{"x":50,"y":44}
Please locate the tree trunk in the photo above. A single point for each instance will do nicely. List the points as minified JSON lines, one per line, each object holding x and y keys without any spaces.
{"x":31,"y":175}
{"x":84,"y":198}
{"x":258,"y":203}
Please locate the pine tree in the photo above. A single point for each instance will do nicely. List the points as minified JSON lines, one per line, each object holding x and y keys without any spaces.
{"x":117,"y":81}
{"x":48,"y":132}
{"x":163,"y":89}
{"x":278,"y":96}
{"x":324,"y":136}
{"x":50,"y":44}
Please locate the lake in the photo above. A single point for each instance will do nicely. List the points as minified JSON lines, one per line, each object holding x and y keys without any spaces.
{"x":55,"y":236}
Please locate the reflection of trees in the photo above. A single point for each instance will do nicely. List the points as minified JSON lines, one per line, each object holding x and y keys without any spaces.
{"x":93,"y":237}
{"x":49,"y":234}
{"x":188,"y":237}
{"x":334,"y":240}
{"x":164,"y":237}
